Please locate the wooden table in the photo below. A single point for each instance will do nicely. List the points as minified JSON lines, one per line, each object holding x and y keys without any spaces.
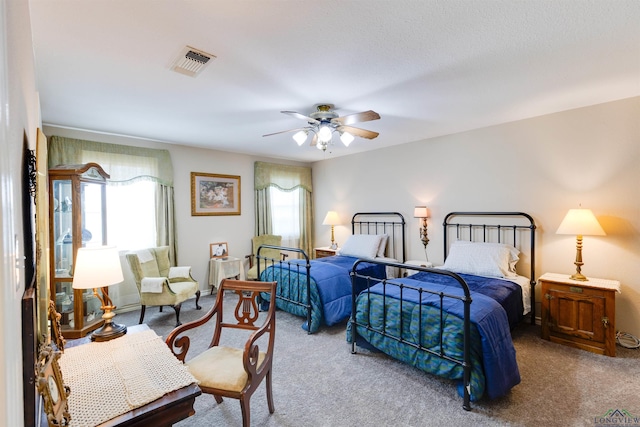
{"x":165,"y":411}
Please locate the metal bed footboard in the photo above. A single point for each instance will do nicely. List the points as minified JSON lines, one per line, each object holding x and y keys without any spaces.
{"x":292,"y":267}
{"x":464,"y":361}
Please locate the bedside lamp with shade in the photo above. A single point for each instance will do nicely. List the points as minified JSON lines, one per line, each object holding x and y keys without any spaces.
{"x":422,"y":212}
{"x":332,"y":219}
{"x":99,"y":267}
{"x":580,"y":222}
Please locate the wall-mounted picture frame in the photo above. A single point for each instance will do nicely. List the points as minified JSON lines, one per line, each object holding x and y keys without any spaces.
{"x":219,"y":250}
{"x":214,"y":194}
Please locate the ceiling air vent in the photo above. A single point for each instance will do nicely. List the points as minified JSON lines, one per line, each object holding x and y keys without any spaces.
{"x":191,"y":61}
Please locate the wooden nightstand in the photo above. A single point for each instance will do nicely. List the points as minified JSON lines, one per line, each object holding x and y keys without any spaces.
{"x":579,"y":314}
{"x":324,"y":252}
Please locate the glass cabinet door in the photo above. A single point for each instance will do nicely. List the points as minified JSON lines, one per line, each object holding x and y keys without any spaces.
{"x":77,"y":219}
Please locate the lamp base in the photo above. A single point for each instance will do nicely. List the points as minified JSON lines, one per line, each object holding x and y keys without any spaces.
{"x":108,"y":332}
{"x":334,"y":246}
{"x":579,"y":276}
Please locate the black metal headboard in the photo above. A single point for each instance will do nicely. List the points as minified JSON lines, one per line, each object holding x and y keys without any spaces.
{"x":514,"y":228}
{"x":390,"y":223}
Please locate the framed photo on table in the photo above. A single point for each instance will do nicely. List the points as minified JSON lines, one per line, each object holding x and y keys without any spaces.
{"x":219,"y":250}
{"x":213,"y":194}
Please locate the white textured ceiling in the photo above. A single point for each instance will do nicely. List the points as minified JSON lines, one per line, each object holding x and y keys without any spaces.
{"x":428,"y":67}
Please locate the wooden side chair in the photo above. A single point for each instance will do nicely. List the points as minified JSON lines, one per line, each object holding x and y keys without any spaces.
{"x":225,"y":371}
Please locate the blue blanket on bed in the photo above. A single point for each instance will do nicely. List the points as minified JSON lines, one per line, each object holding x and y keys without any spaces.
{"x":330,"y":280}
{"x":498,"y":354}
{"x":507,"y":293}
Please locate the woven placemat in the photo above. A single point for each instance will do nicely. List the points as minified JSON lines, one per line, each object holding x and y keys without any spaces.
{"x":111,"y":378}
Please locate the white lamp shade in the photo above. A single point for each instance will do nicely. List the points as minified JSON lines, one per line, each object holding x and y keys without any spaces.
{"x":300,"y":137}
{"x":420,"y":212}
{"x":580,"y":222}
{"x":346,"y":138}
{"x":97,"y":267}
{"x":331,"y":218}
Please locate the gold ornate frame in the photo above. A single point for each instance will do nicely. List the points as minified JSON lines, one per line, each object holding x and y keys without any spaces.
{"x":213,"y":194}
{"x":51,"y":387}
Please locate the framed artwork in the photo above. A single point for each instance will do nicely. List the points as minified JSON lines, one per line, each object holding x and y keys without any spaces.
{"x":219,"y":250}
{"x":213,"y":194}
{"x":51,"y":387}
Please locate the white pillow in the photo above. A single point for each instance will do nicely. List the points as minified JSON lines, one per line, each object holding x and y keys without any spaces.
{"x":383,"y":245}
{"x":479,"y":258}
{"x":514,"y":253}
{"x":361,"y":246}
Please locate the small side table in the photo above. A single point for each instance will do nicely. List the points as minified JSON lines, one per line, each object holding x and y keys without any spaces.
{"x":579,"y":314}
{"x":417,"y":263}
{"x":224,"y":268}
{"x":324,"y":252}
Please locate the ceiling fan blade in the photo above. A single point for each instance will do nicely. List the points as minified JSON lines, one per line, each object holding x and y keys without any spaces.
{"x":297,"y":115}
{"x":364,"y":116}
{"x":362,"y":133}
{"x":284,"y":131}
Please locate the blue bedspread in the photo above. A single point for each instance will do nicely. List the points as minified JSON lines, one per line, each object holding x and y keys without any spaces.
{"x":499,"y":367}
{"x":507,"y":293}
{"x":330,"y":287}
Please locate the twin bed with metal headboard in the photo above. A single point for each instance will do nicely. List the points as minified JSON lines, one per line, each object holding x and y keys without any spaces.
{"x":454,"y":320}
{"x":320,"y":290}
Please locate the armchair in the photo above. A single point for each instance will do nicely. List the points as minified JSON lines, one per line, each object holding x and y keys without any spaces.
{"x":256,"y":241}
{"x":159,"y":283}
{"x":229,"y":371}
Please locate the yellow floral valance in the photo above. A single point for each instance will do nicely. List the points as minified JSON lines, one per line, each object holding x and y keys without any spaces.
{"x":285,"y":177}
{"x":123,"y":163}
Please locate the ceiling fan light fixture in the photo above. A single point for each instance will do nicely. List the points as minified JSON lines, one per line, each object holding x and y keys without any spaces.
{"x":324,"y":134}
{"x":300,"y":137}
{"x":346,"y":138}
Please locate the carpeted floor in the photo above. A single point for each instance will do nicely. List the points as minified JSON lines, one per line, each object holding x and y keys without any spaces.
{"x":318,"y":382}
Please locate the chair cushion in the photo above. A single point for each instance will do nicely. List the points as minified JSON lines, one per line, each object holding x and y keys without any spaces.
{"x":221,"y":368}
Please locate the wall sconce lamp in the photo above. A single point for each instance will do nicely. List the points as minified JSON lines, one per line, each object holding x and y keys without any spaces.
{"x":100,"y":267}
{"x":422,"y":212}
{"x":580,"y":222}
{"x":332,"y":219}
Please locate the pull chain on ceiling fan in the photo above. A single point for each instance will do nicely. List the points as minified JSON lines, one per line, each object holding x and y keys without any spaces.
{"x":324,"y":122}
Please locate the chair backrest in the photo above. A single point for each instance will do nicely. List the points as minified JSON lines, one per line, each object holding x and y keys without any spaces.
{"x":246,"y":312}
{"x":266,"y":239}
{"x":151,"y":262}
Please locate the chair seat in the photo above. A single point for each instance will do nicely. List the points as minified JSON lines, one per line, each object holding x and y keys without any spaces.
{"x":221,"y":368}
{"x":181,"y":292}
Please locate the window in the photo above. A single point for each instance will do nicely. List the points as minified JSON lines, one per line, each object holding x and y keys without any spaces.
{"x":285,"y":214}
{"x":131,"y":216}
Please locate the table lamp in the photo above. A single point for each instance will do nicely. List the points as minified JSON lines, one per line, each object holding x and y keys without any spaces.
{"x":580,"y":222}
{"x":422,"y":212}
{"x":100,"y":267}
{"x":332,"y":219}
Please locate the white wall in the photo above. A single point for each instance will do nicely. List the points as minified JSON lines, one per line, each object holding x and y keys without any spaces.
{"x":19,"y":118}
{"x":543,"y":166}
{"x":195,"y":233}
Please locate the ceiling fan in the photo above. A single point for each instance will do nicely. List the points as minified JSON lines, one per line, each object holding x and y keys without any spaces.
{"x":324,"y":122}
